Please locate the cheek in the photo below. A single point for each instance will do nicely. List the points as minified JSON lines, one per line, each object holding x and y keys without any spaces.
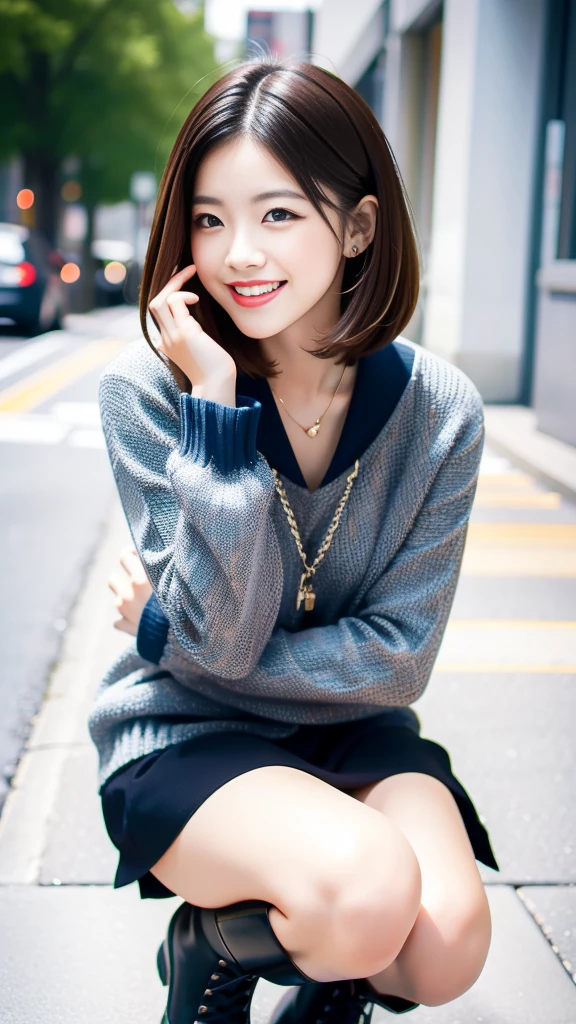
{"x":208,"y":265}
{"x":316,"y":262}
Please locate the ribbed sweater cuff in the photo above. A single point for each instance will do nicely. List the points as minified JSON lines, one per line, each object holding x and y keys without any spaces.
{"x":152,"y":631}
{"x":221,"y":433}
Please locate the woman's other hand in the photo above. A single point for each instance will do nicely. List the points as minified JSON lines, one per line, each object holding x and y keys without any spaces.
{"x":182,"y":337}
{"x":132,"y":590}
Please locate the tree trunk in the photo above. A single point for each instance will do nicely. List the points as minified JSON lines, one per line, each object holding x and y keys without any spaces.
{"x":41,"y":174}
{"x":89,"y":264}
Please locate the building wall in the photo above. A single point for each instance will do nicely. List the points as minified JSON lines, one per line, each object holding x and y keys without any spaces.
{"x":477,"y":238}
{"x":483,"y":196}
{"x":344,"y":40}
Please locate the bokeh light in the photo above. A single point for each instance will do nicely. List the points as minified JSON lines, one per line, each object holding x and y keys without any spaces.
{"x":25,"y":199}
{"x":71,"y":191}
{"x":70,"y":273}
{"x":114,"y":272}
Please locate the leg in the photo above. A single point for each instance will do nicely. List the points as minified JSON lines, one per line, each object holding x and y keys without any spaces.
{"x":333,"y":869}
{"x":448,"y":945}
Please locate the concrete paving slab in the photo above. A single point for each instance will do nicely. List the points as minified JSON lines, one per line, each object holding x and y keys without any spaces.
{"x":511,"y":742}
{"x":534,"y":597}
{"x":88,"y":953}
{"x":481,"y":644}
{"x":80,"y":954}
{"x":554,"y":910}
{"x":78,"y":850}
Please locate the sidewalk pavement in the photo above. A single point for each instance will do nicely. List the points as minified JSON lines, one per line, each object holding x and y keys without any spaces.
{"x":500,"y":700}
{"x":511,"y":431}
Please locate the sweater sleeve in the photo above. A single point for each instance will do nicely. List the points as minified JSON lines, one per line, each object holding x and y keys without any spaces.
{"x":196,"y":495}
{"x":384,"y":654}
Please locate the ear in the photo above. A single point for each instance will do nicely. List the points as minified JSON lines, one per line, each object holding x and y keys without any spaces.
{"x":361,"y":226}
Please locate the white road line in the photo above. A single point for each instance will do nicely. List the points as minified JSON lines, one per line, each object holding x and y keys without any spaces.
{"x":87,"y":439}
{"x":493,"y":464}
{"x":77,"y":427}
{"x":30,"y":354}
{"x":32,"y":429}
{"x":79,"y":414}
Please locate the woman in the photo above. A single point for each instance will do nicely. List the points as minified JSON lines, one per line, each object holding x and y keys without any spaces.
{"x":297,"y":480}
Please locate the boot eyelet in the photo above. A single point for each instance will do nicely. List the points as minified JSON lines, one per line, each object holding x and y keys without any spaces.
{"x":222,"y":963}
{"x":207,"y":991}
{"x":214,"y":977}
{"x":202,"y":1009}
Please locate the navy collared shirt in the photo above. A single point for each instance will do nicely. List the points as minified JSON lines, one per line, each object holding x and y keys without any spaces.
{"x":380,"y":382}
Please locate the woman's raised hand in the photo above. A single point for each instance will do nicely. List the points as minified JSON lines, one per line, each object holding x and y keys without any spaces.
{"x":182,"y":337}
{"x":132,"y":590}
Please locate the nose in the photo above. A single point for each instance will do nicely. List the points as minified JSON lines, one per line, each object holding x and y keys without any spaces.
{"x":242,"y":254}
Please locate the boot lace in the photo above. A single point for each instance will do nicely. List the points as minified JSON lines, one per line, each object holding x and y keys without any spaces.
{"x":345,"y":1003}
{"x":227,"y":999}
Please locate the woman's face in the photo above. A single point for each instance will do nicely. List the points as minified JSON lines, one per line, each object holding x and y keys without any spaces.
{"x":241,"y":236}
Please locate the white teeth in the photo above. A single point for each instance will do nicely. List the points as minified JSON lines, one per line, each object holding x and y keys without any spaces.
{"x":257,"y":289}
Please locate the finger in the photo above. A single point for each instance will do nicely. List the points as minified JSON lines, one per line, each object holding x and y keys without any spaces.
{"x":125,"y":627}
{"x":165,"y":313}
{"x":177,"y":304}
{"x":174,"y":285}
{"x":120,"y":586}
{"x":131,"y":562}
{"x":114,"y":582}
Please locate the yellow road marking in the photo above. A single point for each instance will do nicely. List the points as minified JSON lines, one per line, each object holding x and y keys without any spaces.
{"x":37,"y":387}
{"x":514,"y":499}
{"x":505,"y":479}
{"x":522,"y":533}
{"x":520,"y":549}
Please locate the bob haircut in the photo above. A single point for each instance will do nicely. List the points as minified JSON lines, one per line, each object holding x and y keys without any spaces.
{"x":324,"y":134}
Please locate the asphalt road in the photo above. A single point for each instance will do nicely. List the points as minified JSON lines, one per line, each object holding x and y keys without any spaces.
{"x":57,"y":489}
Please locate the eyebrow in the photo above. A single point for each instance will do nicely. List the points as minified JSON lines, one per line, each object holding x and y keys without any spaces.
{"x":255,"y":199}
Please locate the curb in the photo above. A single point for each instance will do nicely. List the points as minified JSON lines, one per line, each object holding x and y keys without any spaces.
{"x":90,"y":644}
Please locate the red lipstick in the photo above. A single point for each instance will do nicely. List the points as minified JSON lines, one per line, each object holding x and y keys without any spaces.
{"x":253,"y":300}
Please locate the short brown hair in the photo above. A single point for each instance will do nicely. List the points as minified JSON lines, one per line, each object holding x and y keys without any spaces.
{"x":324,"y":134}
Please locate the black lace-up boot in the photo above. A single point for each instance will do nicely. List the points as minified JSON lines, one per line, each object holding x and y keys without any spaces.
{"x":335,"y":1002}
{"x":211,"y":960}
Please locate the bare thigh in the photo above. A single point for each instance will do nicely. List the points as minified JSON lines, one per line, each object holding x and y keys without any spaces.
{"x":332,"y":867}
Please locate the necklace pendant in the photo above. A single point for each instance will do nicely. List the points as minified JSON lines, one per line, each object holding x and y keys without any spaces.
{"x":301,"y":596}
{"x":313,"y":430}
{"x":306,"y":594}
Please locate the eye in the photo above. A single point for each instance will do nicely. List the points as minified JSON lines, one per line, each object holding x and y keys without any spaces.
{"x":279,"y":209}
{"x":198,"y":219}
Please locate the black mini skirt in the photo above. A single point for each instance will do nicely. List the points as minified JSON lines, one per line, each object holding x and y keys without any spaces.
{"x":147,"y":803}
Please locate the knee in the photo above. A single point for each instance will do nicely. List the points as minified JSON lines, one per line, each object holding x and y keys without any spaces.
{"x":365,"y":904}
{"x":453,"y":957}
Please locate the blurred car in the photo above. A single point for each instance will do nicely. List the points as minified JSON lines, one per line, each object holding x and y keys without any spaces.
{"x":114,"y":271}
{"x":32,"y":293}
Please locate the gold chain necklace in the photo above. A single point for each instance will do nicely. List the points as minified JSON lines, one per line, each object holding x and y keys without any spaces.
{"x":305,"y":591}
{"x":313,"y":430}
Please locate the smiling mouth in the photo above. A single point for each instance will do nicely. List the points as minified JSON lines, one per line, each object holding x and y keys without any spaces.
{"x":260,"y":289}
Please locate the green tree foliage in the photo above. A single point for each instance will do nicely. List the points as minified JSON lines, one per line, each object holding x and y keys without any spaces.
{"x":107,"y":81}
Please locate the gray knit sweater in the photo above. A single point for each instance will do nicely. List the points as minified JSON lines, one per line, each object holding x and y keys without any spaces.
{"x":211,"y":532}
